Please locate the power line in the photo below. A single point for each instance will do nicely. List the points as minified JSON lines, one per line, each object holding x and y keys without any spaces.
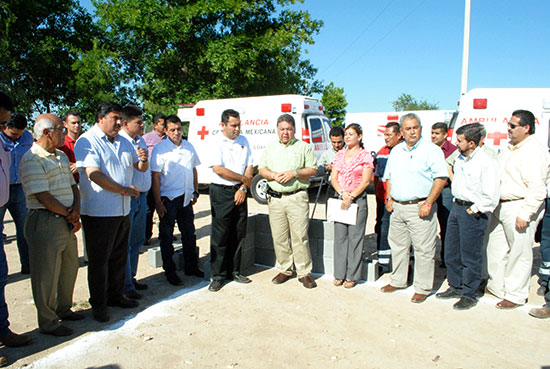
{"x":383,"y":37}
{"x":358,"y":37}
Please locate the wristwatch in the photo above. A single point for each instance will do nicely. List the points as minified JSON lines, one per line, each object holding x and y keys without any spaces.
{"x":196,"y":193}
{"x":243,"y":189}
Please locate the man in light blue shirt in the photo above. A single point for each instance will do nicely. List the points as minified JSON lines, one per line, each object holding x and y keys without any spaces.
{"x":415,"y":176}
{"x":17,"y":140}
{"x":132,"y":129}
{"x":106,"y":163}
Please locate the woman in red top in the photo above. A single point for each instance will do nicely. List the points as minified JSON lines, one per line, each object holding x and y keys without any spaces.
{"x":351,"y":174}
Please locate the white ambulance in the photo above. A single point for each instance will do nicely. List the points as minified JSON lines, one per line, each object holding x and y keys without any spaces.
{"x":493,"y":107}
{"x":374,"y":124}
{"x":258,"y":124}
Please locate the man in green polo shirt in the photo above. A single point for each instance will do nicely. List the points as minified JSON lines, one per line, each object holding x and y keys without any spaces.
{"x":288,"y":164}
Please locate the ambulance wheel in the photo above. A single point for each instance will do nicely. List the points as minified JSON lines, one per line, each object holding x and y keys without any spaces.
{"x":259,"y":189}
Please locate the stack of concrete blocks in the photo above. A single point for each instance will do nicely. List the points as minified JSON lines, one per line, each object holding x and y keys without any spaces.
{"x":259,"y":247}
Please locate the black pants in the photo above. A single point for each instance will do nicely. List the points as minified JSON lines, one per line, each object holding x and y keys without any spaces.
{"x":150,"y":212}
{"x":463,"y":250}
{"x":107,"y":248}
{"x":176,"y":212}
{"x":228,"y":231}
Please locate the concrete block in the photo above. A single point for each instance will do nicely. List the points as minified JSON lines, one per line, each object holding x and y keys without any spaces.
{"x":207,"y":269}
{"x":178,"y":259}
{"x":263,"y":240}
{"x":326,"y":248}
{"x":248,"y":256}
{"x":264,"y":257}
{"x":154,"y":257}
{"x":369,"y":270}
{"x":328,"y":263}
{"x":328,"y":230}
{"x":315,"y":229}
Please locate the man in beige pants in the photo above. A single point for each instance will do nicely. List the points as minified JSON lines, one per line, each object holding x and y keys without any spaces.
{"x":288,"y":164}
{"x":53,"y":200}
{"x":415,"y":175}
{"x":524,"y":165}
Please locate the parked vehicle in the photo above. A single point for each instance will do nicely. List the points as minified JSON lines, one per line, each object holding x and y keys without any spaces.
{"x":258,"y":124}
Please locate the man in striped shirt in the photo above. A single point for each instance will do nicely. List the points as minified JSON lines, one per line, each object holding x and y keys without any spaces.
{"x":53,"y":201}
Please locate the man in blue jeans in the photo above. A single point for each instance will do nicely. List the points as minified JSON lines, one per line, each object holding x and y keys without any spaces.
{"x":17,"y":140}
{"x":476,"y":192}
{"x":175,"y":189}
{"x":132,"y":129}
{"x":7,"y":337}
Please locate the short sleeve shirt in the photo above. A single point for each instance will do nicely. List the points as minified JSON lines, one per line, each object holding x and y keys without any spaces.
{"x":43,"y":171}
{"x":234,"y":155}
{"x":279,"y":157}
{"x":141,"y":180}
{"x":175,"y":165}
{"x":350,"y":174}
{"x":412,"y":171}
{"x":116,"y":160}
{"x":17,"y":149}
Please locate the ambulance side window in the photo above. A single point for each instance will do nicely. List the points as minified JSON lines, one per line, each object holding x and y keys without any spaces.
{"x":315,"y":129}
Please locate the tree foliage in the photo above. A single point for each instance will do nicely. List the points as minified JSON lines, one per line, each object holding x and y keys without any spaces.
{"x":155,"y":53}
{"x":406,"y":102}
{"x":334,"y":102}
{"x":183,"y":51}
{"x":39,"y":43}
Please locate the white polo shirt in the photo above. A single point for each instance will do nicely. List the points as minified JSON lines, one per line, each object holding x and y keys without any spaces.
{"x":142,"y":180}
{"x":116,"y":160}
{"x":234,"y":155}
{"x":175,"y":165}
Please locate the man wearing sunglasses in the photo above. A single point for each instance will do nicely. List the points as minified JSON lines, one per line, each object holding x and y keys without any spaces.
{"x":524,"y":165}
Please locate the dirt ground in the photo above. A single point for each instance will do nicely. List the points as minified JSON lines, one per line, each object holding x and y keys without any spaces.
{"x":261,"y":325}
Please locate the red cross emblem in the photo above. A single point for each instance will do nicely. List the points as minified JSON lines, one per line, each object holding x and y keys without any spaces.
{"x":203,"y":132}
{"x":497,"y":136}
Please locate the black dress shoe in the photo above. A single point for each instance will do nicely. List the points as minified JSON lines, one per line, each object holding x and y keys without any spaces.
{"x":133,"y":294}
{"x":215,"y":285}
{"x":449,"y":294}
{"x":124,"y":303}
{"x":465,"y":303}
{"x":197,"y":273}
{"x":140,"y":286}
{"x":60,"y":331}
{"x":101,"y":315}
{"x":72,"y":316}
{"x":239,"y":278}
{"x":12,"y":339}
{"x":174,"y":280}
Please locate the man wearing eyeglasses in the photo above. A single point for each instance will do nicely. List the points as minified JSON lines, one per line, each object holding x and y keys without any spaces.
{"x":524,"y":167}
{"x":106,"y":163}
{"x":53,"y":200}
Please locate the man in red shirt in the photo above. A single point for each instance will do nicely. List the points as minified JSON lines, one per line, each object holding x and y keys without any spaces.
{"x":73,"y":125}
{"x":445,"y":200}
{"x":392,"y":136}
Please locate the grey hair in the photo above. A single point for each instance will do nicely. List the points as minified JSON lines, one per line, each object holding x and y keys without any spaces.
{"x":41,"y":124}
{"x":407,"y":117}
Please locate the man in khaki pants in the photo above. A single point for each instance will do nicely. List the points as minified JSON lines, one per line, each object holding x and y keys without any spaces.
{"x":415,"y":175}
{"x":53,"y":200}
{"x":288,"y":164}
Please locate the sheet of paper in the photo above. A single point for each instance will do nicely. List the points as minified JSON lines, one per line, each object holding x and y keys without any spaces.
{"x":336,"y":214}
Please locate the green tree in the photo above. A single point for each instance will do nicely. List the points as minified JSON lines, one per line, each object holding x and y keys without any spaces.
{"x":334,"y":102}
{"x":39,"y":43}
{"x":183,"y":51}
{"x":406,"y":102}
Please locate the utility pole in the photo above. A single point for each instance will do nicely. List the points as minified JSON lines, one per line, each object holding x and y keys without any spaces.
{"x":466,"y":50}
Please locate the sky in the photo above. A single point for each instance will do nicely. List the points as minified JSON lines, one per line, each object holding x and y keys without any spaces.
{"x":377,"y":50}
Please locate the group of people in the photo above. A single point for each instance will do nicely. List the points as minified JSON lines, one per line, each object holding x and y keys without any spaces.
{"x":112,"y":178}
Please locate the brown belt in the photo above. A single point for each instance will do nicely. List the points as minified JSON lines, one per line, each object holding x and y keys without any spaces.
{"x":508,"y":200}
{"x":410,"y":201}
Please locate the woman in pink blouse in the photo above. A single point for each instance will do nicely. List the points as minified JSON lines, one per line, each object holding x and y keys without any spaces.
{"x":351,"y":174}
